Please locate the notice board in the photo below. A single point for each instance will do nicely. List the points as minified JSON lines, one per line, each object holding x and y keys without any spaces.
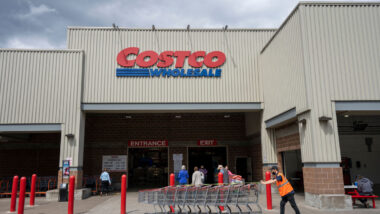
{"x":115,"y":163}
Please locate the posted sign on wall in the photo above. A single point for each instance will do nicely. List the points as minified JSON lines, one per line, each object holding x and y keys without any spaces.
{"x":207,"y":143}
{"x":115,"y":163}
{"x":147,"y":143}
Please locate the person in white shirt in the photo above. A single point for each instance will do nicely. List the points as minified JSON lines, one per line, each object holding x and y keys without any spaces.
{"x":197,"y":178}
{"x":106,"y":181}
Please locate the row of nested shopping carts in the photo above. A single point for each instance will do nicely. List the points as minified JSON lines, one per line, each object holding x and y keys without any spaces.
{"x":206,"y":199}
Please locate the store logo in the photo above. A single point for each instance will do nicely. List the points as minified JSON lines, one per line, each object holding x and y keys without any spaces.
{"x":130,"y":57}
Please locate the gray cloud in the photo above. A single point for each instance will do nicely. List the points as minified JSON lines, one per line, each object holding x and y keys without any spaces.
{"x":42,"y":23}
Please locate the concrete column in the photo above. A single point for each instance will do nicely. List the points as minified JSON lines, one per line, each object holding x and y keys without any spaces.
{"x":323,"y":176}
{"x":78,"y":173}
{"x":268,"y":145}
{"x":72,"y":146}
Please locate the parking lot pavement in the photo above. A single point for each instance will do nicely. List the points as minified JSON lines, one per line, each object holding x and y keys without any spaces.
{"x":111,"y":205}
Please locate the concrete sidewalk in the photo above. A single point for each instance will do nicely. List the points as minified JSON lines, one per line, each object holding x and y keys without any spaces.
{"x":111,"y":205}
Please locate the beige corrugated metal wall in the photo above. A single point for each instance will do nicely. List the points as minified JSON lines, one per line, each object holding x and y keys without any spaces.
{"x":339,"y":52}
{"x":239,"y":81}
{"x":342,"y":62}
{"x":282,"y":68}
{"x":43,"y":87}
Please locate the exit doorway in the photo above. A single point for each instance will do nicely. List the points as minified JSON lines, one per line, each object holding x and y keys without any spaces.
{"x":210,"y":158}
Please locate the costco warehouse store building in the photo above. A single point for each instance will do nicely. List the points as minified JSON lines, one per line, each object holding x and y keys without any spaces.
{"x":305,"y":97}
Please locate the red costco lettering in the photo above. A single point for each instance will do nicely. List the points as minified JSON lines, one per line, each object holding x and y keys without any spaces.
{"x":167,"y":58}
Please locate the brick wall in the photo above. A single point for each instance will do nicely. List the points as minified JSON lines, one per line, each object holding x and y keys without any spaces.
{"x":257,"y":162}
{"x":78,"y":178}
{"x":288,"y":143}
{"x":254,"y":152}
{"x":323,"y":180}
{"x":116,"y":128}
{"x":107,"y":134}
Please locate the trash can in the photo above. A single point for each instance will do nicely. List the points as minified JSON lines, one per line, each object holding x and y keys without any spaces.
{"x":63,"y":193}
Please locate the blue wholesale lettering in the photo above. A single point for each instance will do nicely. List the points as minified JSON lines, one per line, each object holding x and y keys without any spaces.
{"x":163,"y":72}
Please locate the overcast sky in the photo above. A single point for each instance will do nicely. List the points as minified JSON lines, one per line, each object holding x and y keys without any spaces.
{"x":42,"y":23}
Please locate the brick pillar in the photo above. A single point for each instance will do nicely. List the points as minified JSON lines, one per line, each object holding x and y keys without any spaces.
{"x":78,"y":178}
{"x":324,"y":188}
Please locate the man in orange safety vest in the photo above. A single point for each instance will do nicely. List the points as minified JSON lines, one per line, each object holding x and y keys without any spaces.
{"x":284,"y":188}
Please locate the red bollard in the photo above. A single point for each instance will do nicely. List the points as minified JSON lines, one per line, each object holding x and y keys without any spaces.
{"x":123,"y":193}
{"x":172,"y":184}
{"x":172,"y":180}
{"x":32,"y":190}
{"x":21,"y":201}
{"x":14,"y":194}
{"x":220,"y":178}
{"x":269,"y":191}
{"x":220,"y":181}
{"x":71,"y":195}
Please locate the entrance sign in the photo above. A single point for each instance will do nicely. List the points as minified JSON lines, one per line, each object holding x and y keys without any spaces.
{"x":207,"y":143}
{"x":149,"y":58}
{"x":115,"y":163}
{"x":66,"y":168}
{"x":147,"y":143}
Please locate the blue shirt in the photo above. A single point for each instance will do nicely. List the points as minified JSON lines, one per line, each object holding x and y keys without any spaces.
{"x":105,"y":177}
{"x":183,"y":176}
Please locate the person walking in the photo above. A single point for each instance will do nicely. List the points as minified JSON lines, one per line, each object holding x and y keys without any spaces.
{"x":105,"y":182}
{"x":197,"y":178}
{"x":285,"y":189}
{"x":183,"y":176}
{"x":364,"y":188}
{"x":204,"y":171}
{"x":230,"y":174}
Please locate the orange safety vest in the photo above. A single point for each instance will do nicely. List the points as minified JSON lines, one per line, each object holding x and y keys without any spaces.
{"x":284,"y":186}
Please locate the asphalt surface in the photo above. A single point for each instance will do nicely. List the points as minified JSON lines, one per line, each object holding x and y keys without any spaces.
{"x":111,"y":205}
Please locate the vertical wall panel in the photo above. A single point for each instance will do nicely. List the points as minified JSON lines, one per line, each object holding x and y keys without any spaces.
{"x":282,"y":68}
{"x":342,"y":61}
{"x":239,"y":81}
{"x":39,"y":86}
{"x":283,"y":79}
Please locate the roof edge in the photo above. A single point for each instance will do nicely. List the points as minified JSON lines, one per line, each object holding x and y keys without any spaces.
{"x":40,"y":50}
{"x":339,"y":3}
{"x":168,"y":29}
{"x":311,"y":3}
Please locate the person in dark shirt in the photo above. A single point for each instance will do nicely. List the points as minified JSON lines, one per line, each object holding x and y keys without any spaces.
{"x":365,"y":187}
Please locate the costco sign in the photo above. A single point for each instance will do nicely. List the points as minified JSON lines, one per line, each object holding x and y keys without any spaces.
{"x":131,"y":57}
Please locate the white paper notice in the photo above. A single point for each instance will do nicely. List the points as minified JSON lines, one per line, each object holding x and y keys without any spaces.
{"x":115,"y":163}
{"x":177,"y":158}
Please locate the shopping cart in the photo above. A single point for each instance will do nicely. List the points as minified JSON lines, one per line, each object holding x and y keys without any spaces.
{"x":242,"y":199}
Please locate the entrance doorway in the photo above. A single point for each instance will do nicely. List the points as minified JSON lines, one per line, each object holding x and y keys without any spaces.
{"x":292,"y":167}
{"x":359,"y":139}
{"x":148,"y":167}
{"x":210,"y":158}
{"x":244,"y":168}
